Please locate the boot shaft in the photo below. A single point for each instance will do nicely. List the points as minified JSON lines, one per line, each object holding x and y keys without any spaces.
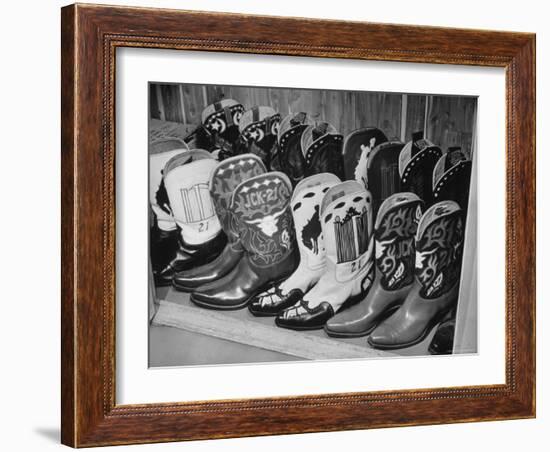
{"x":260,"y":207}
{"x":290,"y":159}
{"x":417,"y":161}
{"x":258,"y":128}
{"x":451,"y":178}
{"x":306,"y":204}
{"x":221,"y":124}
{"x":322,"y":149}
{"x":346,"y":220}
{"x":439,"y":244}
{"x":225,"y":178}
{"x":357,"y":147}
{"x":394,"y":235}
{"x":158,"y":197}
{"x":186,"y":177}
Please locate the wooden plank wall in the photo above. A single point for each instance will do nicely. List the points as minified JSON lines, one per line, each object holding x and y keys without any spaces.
{"x":446,"y":120}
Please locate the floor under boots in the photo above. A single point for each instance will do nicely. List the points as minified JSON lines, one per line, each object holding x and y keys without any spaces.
{"x":185,"y":343}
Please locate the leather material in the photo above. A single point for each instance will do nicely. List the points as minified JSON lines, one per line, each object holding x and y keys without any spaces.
{"x":311,"y":318}
{"x":394,"y":234}
{"x":443,"y":340}
{"x":290,"y":158}
{"x":220,"y":122}
{"x":261,"y":209}
{"x":451,"y":178}
{"x":305,"y":205}
{"x":346,"y":221}
{"x":357,"y":147}
{"x":439,"y":243}
{"x":187,"y":257}
{"x":160,"y":153}
{"x":417,"y":161}
{"x":273,"y":301}
{"x":224,"y":180}
{"x":322,"y":149}
{"x":259,"y":127}
{"x":186,"y":177}
{"x":383,"y":178}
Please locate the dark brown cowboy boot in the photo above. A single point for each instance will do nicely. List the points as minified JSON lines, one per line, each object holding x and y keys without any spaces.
{"x":451,"y":178}
{"x":322,"y":148}
{"x":290,"y":158}
{"x":416,"y":166}
{"x":259,"y":127}
{"x":383,"y":172}
{"x":439,"y":243}
{"x":260,"y":208}
{"x":224,"y":179}
{"x":394,"y":233}
{"x":220,"y":126}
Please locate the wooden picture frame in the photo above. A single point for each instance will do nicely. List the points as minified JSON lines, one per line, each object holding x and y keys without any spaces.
{"x":90,"y":37}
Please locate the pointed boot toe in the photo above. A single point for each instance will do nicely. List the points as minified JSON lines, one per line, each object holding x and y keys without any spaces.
{"x":303,"y":318}
{"x":273,"y":301}
{"x":383,"y":337}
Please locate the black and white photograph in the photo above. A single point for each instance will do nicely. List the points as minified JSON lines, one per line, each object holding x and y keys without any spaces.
{"x":292,"y":224}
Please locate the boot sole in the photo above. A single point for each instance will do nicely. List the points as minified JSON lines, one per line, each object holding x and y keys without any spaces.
{"x":299,"y":328}
{"x":431,"y":325}
{"x":242,"y":305}
{"x":344,"y":335}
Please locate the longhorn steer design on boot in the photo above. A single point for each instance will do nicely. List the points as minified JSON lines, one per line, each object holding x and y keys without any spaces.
{"x":267,"y":224}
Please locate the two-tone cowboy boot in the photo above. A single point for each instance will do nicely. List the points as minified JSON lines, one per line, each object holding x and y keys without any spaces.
{"x":346,"y":221}
{"x":163,"y":237}
{"x":383,"y":172}
{"x":220,"y":121}
{"x":357,"y":147}
{"x":305,"y":204}
{"x":260,"y":208}
{"x":186,"y":177}
{"x":439,"y":242}
{"x":417,"y":161}
{"x":322,"y":149}
{"x":394,"y":233}
{"x":259,"y":127}
{"x":224,"y":180}
{"x":451,"y":178}
{"x":289,"y":158}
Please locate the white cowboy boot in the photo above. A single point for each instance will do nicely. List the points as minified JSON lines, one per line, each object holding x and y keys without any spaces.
{"x":305,"y":205}
{"x":346,"y":220}
{"x":186,"y":177}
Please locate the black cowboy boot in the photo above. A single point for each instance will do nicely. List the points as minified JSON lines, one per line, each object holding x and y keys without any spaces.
{"x":259,"y":127}
{"x":261,"y":209}
{"x":416,"y":166}
{"x":346,"y":221}
{"x":220,"y":123}
{"x":451,"y":178}
{"x":290,"y":158}
{"x":322,"y":148}
{"x":357,"y":147}
{"x":443,"y":341}
{"x":394,"y":232}
{"x":439,"y":243}
{"x":383,"y":172}
{"x":225,"y":178}
{"x":305,"y":204}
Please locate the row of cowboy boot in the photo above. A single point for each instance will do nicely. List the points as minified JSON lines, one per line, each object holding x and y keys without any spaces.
{"x":305,"y":205}
{"x":394,"y":232}
{"x":333,"y":225}
{"x":418,"y":261}
{"x":225,"y":178}
{"x":254,"y":210}
{"x":438,"y":245}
